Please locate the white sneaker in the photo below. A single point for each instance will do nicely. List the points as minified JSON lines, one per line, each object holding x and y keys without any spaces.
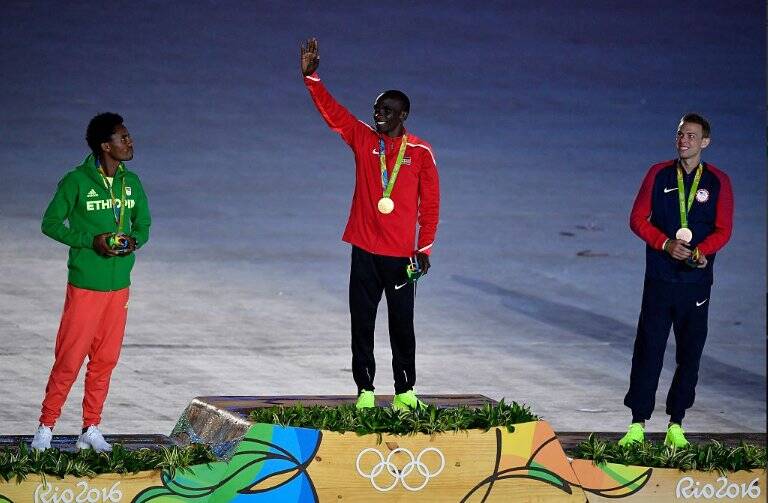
{"x":93,"y":439}
{"x":42,"y":440}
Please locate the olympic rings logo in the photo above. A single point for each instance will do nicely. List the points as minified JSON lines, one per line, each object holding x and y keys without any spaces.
{"x":397,"y":474}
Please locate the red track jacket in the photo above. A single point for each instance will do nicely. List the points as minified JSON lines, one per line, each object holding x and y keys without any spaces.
{"x":416,"y":192}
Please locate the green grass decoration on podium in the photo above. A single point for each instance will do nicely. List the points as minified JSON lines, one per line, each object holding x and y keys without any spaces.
{"x":346,"y":418}
{"x":18,"y":463}
{"x":711,"y":456}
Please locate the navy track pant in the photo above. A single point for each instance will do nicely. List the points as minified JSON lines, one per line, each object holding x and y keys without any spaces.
{"x":685,"y":308}
{"x":369,"y":276}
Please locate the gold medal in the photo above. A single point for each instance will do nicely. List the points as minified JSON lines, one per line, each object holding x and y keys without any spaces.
{"x":386,"y":205}
{"x":684,"y":234}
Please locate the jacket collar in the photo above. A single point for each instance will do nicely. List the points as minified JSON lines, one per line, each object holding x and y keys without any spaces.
{"x":89,"y":166}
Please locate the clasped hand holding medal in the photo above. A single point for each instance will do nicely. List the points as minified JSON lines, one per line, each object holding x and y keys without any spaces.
{"x":679,"y":248}
{"x":113,"y":244}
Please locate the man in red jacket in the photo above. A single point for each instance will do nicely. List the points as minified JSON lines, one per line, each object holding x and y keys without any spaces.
{"x":684,"y":213}
{"x":396,"y":186}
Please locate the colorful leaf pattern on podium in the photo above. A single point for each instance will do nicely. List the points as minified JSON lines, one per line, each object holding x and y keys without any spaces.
{"x":269,"y":464}
{"x":532,"y":451}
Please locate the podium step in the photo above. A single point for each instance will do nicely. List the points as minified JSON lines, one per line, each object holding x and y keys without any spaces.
{"x":67,"y":442}
{"x":222,"y":421}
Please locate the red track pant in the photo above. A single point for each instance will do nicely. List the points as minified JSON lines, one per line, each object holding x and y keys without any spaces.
{"x":92,"y":325}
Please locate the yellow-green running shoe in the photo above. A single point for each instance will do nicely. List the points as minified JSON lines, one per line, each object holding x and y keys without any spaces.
{"x":675,"y":436}
{"x":365,"y":400}
{"x":636,"y":433}
{"x":407,"y":401}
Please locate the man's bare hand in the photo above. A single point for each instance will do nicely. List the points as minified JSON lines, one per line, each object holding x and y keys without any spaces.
{"x":423,"y":260}
{"x":702,"y":263}
{"x":101,"y":246}
{"x":678,"y":249}
{"x":131,"y":246}
{"x":310,"y":57}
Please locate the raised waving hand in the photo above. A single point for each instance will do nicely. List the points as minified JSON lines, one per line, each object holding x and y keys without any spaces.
{"x":310,"y":57}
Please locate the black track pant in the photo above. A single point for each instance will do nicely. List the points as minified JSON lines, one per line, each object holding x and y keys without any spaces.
{"x":684,"y":307}
{"x":369,"y":276}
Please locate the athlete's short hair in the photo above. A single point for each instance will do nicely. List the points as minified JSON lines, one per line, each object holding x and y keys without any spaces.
{"x":397,"y":95}
{"x":695,"y":118}
{"x":100,"y":129}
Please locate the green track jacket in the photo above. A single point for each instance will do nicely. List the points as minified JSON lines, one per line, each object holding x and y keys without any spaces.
{"x":83,"y":200}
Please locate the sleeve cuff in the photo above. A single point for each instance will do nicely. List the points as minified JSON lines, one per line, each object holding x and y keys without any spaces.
{"x":426,"y":249}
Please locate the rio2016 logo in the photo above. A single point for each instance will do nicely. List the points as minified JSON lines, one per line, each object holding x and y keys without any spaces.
{"x":400,"y":474}
{"x":687,"y":488}
{"x":47,"y":493}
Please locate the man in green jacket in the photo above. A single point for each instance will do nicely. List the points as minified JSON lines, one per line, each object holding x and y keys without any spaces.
{"x":107,"y":220}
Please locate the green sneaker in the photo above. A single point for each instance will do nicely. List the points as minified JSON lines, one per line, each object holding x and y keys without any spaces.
{"x":365,"y":400}
{"x":407,"y":401}
{"x":636,"y":433}
{"x":675,"y":436}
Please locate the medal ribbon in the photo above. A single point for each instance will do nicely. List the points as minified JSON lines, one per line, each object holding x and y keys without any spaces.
{"x":388,"y":183}
{"x":684,"y":209}
{"x":119,"y":216}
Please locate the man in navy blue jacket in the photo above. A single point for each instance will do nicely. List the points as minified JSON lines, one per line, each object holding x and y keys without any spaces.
{"x":684,"y":213}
